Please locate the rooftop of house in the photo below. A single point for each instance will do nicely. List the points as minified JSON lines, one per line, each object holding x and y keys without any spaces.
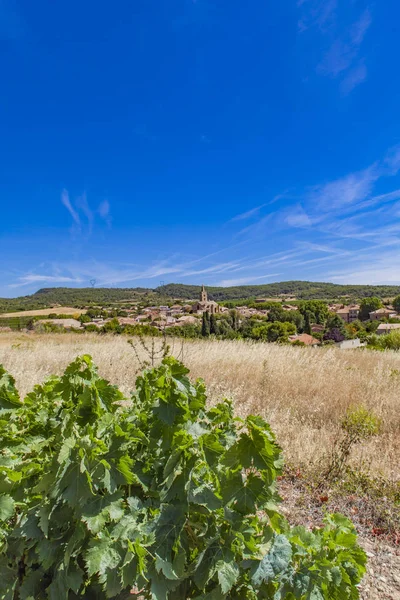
{"x":304,"y":338}
{"x":388,"y":326}
{"x":347,"y":309}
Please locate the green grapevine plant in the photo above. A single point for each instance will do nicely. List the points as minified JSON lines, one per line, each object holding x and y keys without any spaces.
{"x":156,"y":497}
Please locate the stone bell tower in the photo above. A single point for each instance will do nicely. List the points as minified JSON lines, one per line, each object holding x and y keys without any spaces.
{"x":203,"y":296}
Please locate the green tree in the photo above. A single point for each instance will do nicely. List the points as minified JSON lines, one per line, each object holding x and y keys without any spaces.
{"x":234,"y":315}
{"x":335,"y":329}
{"x":112,"y":326}
{"x":368,"y":305}
{"x":84,"y":318}
{"x":213,"y":325}
{"x":276,"y":313}
{"x":396,"y":304}
{"x":225,"y":329}
{"x":318,"y":308}
{"x":309,"y":319}
{"x":205,"y":324}
{"x":273,"y":332}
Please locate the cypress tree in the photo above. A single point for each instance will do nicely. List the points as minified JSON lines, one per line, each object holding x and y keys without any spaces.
{"x":205,"y":325}
{"x":213,"y":324}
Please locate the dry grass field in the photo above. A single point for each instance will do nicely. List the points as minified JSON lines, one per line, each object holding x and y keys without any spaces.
{"x":304,"y":393}
{"x":59,"y":310}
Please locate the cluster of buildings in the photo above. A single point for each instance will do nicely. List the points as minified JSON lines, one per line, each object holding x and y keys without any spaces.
{"x":163,"y":317}
{"x":352,"y":312}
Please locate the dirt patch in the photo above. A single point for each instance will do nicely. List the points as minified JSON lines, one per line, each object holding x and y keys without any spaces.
{"x":382,"y":579}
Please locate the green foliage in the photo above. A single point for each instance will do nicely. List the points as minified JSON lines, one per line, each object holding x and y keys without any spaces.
{"x":358,"y":424}
{"x":335,"y":329}
{"x":205,"y":324}
{"x":159,"y":497}
{"x":396,"y":304}
{"x":368,"y":305}
{"x":213,"y":325}
{"x":112,"y":326}
{"x":314,"y":311}
{"x":273,"y":332}
{"x":389,"y":341}
{"x":188,"y":330}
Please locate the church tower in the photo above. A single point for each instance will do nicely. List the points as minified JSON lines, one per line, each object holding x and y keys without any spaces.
{"x":203,"y":297}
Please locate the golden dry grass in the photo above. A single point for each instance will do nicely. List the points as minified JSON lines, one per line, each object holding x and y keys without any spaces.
{"x":59,"y":310}
{"x":302,"y":392}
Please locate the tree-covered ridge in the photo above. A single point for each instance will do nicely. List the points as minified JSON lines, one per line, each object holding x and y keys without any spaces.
{"x":302,"y":290}
{"x":47,"y":297}
{"x":161,"y":497}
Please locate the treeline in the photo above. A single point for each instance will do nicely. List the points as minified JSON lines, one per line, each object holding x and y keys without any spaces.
{"x":301,"y":290}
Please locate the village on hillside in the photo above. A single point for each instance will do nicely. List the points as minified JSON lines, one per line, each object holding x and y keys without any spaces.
{"x":308,"y":323}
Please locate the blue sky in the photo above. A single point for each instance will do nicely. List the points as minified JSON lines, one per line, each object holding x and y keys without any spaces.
{"x":214,"y":141}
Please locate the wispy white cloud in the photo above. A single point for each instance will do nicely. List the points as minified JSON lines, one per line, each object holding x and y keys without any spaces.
{"x":83,"y":206}
{"x":104,"y":211}
{"x":343,"y":57}
{"x":124,"y":274}
{"x":345,"y":191}
{"x":258,"y":227}
{"x":316,"y":13}
{"x":361,"y":223}
{"x":249,"y":214}
{"x":374,"y":267}
{"x":36,"y":278}
{"x":297,"y":217}
{"x":67,"y":203}
{"x":360,"y":28}
{"x":83,"y":216}
{"x":392,"y":160}
{"x":353,"y":78}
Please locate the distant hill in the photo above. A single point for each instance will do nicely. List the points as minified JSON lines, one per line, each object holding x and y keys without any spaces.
{"x":63,"y":296}
{"x":302,"y":290}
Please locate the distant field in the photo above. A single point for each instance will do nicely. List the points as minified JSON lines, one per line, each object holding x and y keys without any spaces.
{"x":59,"y":310}
{"x":302,"y":392}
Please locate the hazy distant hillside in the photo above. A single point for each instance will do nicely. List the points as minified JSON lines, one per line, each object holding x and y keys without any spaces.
{"x":46,"y":297}
{"x":300,"y":289}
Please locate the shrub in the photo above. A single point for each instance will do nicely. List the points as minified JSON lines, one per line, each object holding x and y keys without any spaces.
{"x":160,"y":498}
{"x":358,"y":424}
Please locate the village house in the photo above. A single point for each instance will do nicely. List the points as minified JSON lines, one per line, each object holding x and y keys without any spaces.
{"x":205,"y":305}
{"x":387,"y":328}
{"x":186,"y":320}
{"x":349,"y":313}
{"x":383,"y":313}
